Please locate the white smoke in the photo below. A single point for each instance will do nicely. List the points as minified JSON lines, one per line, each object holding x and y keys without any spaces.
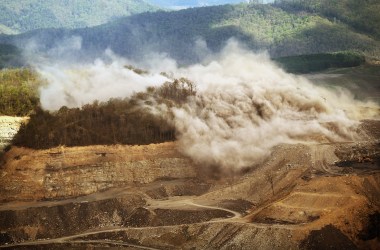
{"x":245,"y":104}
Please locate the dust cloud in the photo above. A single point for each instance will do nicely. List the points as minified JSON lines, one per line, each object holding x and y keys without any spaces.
{"x":74,"y":85}
{"x":245,"y":104}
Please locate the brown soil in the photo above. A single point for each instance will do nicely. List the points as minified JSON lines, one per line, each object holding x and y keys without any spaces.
{"x":328,"y":237}
{"x":152,"y":197}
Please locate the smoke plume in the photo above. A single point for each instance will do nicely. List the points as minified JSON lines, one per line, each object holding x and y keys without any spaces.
{"x":245,"y":104}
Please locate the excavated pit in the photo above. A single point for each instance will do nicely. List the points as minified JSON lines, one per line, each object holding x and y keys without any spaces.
{"x":152,"y":197}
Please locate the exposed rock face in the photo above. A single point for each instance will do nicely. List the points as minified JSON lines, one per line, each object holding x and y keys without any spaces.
{"x":9,"y":127}
{"x":71,"y":172}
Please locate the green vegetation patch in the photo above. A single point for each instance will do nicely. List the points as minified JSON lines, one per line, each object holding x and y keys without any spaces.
{"x":18,"y":92}
{"x":319,"y":62}
{"x":26,"y":15}
{"x":10,"y":56}
{"x":364,"y":16}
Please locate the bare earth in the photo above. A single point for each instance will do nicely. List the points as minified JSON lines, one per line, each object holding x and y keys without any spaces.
{"x":317,"y":196}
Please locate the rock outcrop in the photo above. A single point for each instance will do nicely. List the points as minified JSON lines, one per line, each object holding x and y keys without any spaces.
{"x":72,"y":172}
{"x":9,"y":127}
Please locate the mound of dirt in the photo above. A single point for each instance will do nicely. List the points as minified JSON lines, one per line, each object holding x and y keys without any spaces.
{"x":329,"y":237}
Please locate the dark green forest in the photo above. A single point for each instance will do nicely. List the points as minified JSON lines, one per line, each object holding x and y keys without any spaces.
{"x":27,"y":15}
{"x":318,"y":62}
{"x":363,"y":15}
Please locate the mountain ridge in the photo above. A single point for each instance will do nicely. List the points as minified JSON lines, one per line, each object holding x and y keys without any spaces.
{"x":26,"y":15}
{"x":272,"y":28}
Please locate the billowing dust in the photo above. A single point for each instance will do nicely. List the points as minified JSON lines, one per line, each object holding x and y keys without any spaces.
{"x":245,"y":104}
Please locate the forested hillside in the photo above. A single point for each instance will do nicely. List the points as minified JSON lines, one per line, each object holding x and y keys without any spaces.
{"x":10,"y":56}
{"x":364,"y":16}
{"x":26,"y":15}
{"x":277,"y":28}
{"x":191,"y":3}
{"x":114,"y":122}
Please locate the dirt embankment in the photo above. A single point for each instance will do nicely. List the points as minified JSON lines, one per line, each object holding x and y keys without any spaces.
{"x":70,"y":172}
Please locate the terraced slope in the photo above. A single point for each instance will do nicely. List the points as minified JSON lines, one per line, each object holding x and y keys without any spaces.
{"x":151,"y":197}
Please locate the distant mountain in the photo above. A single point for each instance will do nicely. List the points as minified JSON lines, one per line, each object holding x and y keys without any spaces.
{"x":279,"y":29}
{"x":25,"y":15}
{"x":364,"y":16}
{"x":180,"y":4}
